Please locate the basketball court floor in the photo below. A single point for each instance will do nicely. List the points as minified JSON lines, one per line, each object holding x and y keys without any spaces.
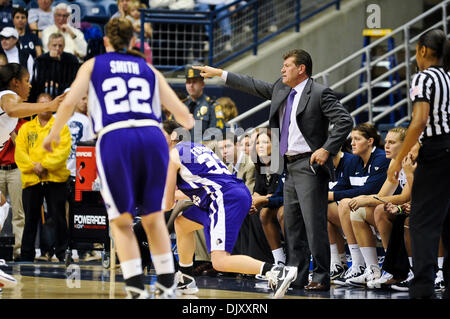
{"x":90,"y":280}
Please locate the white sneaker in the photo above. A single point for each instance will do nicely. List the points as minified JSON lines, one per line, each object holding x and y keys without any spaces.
{"x":371,"y":273}
{"x":352,"y":272}
{"x":4,"y":211}
{"x":185,"y":284}
{"x":381,"y":282}
{"x":439,"y":284}
{"x":136,"y":293}
{"x":280,"y":278}
{"x":337,"y":271}
{"x":166,"y":292}
{"x":6,"y":281}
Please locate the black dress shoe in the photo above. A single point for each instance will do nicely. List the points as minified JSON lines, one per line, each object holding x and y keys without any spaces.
{"x":317,"y":286}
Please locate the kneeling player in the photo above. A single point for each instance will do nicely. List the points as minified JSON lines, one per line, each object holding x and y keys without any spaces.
{"x":222,"y":201}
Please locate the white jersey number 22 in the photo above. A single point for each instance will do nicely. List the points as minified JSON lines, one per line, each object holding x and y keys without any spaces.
{"x":116,"y":89}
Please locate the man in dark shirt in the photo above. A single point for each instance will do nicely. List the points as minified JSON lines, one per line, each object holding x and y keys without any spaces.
{"x":55,"y":70}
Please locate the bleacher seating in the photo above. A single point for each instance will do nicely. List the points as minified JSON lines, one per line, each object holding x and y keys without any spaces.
{"x":17,"y":3}
{"x":32,"y":4}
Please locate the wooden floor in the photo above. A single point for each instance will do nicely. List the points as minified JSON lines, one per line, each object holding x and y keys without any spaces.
{"x":47,"y":280}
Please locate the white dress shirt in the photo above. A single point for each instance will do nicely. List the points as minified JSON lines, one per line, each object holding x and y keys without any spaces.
{"x":296,"y":141}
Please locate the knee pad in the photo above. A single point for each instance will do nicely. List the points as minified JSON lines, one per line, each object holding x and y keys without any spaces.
{"x":358,"y":215}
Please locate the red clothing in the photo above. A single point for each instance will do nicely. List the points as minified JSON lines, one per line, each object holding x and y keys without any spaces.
{"x":7,"y":153}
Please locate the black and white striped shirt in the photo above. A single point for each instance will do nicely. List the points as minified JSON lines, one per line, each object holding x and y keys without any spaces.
{"x":433,"y":86}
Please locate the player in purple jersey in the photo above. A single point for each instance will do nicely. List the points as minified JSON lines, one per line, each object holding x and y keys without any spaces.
{"x":221,"y":203}
{"x":125,"y":96}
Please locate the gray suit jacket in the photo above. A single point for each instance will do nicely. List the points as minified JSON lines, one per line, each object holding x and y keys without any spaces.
{"x":318,"y":107}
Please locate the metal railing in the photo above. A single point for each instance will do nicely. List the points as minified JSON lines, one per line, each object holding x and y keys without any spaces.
{"x":223,"y":33}
{"x":367,"y":87}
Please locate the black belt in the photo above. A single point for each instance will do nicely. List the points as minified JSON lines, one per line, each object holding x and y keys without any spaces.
{"x":293,"y":158}
{"x":8,"y":167}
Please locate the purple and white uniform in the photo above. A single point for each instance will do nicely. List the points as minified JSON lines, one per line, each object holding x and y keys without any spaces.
{"x":221,"y":201}
{"x":131,"y":152}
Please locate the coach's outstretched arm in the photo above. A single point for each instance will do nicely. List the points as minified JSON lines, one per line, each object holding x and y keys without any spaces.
{"x":208,"y":71}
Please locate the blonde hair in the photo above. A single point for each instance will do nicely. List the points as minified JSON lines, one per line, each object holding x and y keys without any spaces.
{"x":400,"y":130}
{"x":119,"y":32}
{"x":229,"y":108}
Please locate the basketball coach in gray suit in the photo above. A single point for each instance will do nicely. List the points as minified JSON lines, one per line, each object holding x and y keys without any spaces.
{"x":302,"y":110}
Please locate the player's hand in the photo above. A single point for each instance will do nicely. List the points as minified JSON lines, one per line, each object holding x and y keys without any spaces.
{"x":49,"y":140}
{"x":320,"y":156}
{"x":208,"y":71}
{"x":357,"y":202}
{"x":54,"y":104}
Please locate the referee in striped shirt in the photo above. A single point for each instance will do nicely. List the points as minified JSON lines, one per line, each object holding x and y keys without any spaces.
{"x":430,"y":197}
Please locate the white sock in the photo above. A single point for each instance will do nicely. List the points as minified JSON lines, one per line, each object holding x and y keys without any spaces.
{"x":131,"y":268}
{"x":440,"y":262}
{"x":370,"y":255}
{"x":163,"y":263}
{"x":410,"y":261}
{"x":279,"y":256}
{"x":357,"y":257}
{"x":334,"y":254}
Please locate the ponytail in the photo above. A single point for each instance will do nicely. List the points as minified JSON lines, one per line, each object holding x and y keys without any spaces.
{"x":119,"y":32}
{"x":10,"y":71}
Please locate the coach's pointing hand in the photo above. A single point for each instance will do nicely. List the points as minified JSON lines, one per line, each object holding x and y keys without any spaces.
{"x":208,"y":71}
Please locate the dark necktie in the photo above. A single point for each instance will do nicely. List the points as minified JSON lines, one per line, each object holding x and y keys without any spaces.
{"x":286,"y":122}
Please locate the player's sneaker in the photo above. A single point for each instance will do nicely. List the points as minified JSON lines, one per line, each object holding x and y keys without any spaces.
{"x":6,"y":281}
{"x":384,"y":281}
{"x":352,"y":272}
{"x":370,"y":273}
{"x":163,"y":292}
{"x":404,"y":285}
{"x":136,"y":293}
{"x":439,"y":284}
{"x":280,"y":278}
{"x":185,"y":284}
{"x":337,"y":271}
{"x":4,"y":211}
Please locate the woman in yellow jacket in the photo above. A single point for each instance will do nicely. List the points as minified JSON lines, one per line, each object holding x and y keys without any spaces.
{"x":44,"y":175}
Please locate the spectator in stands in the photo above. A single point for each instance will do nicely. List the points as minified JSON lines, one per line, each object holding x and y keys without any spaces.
{"x":5,"y":14}
{"x":369,"y":177}
{"x":73,"y":38}
{"x":123,"y":9}
{"x":230,"y":111}
{"x":11,"y":48}
{"x":28,"y":40}
{"x":42,"y":17}
{"x":44,"y":175}
{"x":135,"y":17}
{"x":207,"y":112}
{"x":11,"y":185}
{"x":55,"y":70}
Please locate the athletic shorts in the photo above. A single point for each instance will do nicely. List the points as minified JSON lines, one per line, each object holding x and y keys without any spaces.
{"x":224,"y":218}
{"x":132,"y":166}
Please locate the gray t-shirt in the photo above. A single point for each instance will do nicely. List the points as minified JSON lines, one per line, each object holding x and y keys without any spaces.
{"x":44,"y":19}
